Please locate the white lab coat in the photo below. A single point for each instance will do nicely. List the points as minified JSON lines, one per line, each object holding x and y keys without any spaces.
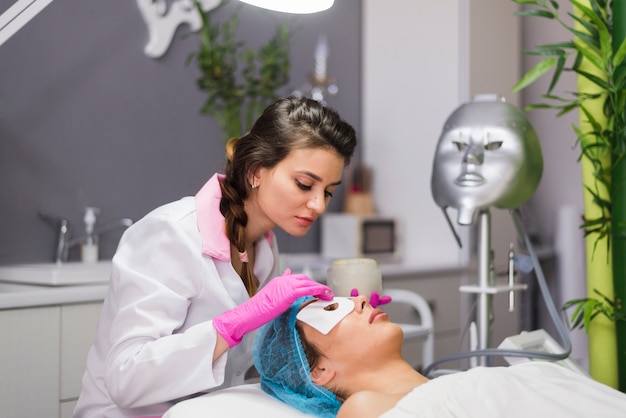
{"x":154,"y":345}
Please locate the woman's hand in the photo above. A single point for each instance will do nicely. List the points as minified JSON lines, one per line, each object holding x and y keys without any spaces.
{"x":273,"y":299}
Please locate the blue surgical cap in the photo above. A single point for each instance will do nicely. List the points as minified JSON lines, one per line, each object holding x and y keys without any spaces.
{"x":284,"y":370}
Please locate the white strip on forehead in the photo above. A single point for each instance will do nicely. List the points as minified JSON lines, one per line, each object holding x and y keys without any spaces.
{"x":323,"y":315}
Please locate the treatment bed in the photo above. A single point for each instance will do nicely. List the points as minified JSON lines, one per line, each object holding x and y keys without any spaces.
{"x":235,"y":402}
{"x":537,"y":388}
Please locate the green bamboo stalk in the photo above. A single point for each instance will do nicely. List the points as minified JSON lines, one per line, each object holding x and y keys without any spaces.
{"x":601,"y":331}
{"x":618,"y":204}
{"x":600,"y":99}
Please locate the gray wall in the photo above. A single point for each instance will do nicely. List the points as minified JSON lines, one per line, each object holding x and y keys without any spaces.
{"x":87,"y":119}
{"x":561,"y":183}
{"x":554,"y":213}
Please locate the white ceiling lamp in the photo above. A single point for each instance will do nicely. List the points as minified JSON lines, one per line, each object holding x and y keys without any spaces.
{"x":292,"y":6}
{"x":162,"y":20}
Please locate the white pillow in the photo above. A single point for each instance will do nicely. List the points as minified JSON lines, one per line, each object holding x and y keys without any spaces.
{"x":243,"y":401}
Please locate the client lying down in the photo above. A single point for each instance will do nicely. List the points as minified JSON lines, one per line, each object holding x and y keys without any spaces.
{"x":343,"y":358}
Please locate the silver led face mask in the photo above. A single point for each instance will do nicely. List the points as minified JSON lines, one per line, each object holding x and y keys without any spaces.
{"x":488,"y":155}
{"x":325,"y":315}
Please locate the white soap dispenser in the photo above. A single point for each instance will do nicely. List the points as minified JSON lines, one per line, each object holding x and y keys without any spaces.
{"x":89,"y":248}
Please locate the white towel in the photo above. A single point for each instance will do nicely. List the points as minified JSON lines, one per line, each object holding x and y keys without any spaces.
{"x":535,"y":389}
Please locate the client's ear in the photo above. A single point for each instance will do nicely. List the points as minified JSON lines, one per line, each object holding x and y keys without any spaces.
{"x":323,"y":373}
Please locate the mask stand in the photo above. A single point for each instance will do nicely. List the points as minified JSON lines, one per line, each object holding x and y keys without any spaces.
{"x":488,"y":155}
{"x":487,"y":286}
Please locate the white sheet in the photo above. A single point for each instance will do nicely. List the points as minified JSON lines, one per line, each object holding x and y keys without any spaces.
{"x":243,"y":401}
{"x":529,"y":390}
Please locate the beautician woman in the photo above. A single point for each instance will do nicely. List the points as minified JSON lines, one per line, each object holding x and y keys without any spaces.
{"x":194,"y":277}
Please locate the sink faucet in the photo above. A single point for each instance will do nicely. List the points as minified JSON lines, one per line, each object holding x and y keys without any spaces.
{"x":63,"y":227}
{"x":65,"y":241}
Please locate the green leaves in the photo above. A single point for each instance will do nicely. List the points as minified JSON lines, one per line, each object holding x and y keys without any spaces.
{"x":593,"y":57}
{"x":537,"y":71}
{"x":535,"y":12}
{"x":240,"y":82}
{"x":590,"y":55}
{"x":618,"y":58}
{"x":585,"y":310}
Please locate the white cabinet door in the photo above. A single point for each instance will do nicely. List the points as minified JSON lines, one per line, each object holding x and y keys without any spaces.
{"x":29,"y":362}
{"x":442,"y":294}
{"x":78,"y":326}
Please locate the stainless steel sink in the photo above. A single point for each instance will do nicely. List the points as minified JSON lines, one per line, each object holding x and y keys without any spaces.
{"x":53,"y":274}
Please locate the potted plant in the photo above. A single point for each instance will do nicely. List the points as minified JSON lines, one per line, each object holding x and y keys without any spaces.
{"x":237,"y":95}
{"x":596,"y":55}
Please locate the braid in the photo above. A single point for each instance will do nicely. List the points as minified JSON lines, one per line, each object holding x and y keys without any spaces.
{"x":236,"y":219}
{"x":249,"y":279}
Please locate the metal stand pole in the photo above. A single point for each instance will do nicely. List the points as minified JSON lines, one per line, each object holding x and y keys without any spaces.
{"x":485,"y":281}
{"x":487,"y":287}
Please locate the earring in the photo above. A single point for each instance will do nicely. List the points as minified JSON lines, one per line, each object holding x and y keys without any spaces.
{"x":254,"y":185}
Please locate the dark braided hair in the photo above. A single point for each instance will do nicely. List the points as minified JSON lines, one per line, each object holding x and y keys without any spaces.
{"x":287,"y":124}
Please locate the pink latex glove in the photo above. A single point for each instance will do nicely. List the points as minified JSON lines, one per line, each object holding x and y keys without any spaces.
{"x":272,"y":300}
{"x":375,"y":298}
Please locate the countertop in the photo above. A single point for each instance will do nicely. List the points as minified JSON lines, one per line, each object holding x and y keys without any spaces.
{"x":315,"y":266}
{"x":14,"y":296}
{"x":17,"y":293}
{"x":45,"y":284}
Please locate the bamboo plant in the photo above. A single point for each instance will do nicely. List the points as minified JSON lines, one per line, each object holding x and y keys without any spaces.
{"x":595,"y":53}
{"x":237,"y":96}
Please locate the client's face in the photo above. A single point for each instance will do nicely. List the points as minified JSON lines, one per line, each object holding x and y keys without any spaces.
{"x":346,"y":329}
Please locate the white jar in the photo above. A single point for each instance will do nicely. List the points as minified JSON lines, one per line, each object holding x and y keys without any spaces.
{"x":354,"y":273}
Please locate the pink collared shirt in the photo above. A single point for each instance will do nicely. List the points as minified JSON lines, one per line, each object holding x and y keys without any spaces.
{"x":211,"y":223}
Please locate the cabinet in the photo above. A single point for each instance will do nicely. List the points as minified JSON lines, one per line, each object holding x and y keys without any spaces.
{"x":78,"y":326}
{"x":30,"y":362}
{"x":43,"y":352}
{"x":451,"y":310}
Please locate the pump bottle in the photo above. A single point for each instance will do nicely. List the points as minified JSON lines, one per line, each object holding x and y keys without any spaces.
{"x":89,"y":248}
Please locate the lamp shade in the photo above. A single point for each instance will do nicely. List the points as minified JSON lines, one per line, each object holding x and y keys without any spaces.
{"x":292,"y":6}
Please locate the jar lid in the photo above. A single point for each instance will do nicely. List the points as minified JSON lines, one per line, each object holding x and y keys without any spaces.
{"x":351,"y":262}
